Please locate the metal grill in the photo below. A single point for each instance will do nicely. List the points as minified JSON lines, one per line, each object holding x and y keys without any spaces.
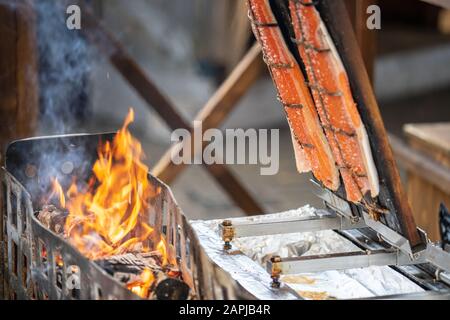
{"x":38,"y":264}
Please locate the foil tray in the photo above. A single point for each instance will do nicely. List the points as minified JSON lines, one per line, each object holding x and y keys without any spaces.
{"x":246,"y":263}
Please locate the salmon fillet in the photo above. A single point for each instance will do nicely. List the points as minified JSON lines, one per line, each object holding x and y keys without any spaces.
{"x":311,"y":147}
{"x":334,"y":101}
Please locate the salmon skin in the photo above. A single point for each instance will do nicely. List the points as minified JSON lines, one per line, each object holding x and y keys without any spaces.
{"x":312,"y":151}
{"x":334,"y":101}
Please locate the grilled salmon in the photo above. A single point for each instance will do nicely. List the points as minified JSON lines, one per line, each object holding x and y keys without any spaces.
{"x":312,"y":151}
{"x":334,"y":101}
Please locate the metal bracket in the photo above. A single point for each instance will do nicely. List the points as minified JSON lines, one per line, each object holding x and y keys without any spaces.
{"x":228,"y":233}
{"x":385,"y":233}
{"x":339,"y":261}
{"x":323,"y":220}
{"x":333,"y":202}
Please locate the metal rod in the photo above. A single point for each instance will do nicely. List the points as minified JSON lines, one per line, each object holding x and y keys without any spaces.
{"x":293,"y":225}
{"x":332,"y":201}
{"x":338,"y":261}
{"x":438,"y":257}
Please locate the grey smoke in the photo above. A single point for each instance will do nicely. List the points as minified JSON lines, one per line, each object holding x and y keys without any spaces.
{"x":65,"y":62}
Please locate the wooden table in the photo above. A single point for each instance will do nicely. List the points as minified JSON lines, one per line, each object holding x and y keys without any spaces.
{"x":428,"y":179}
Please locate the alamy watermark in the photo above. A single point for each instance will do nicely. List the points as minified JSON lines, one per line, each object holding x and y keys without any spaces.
{"x":374,"y":20}
{"x":231,"y":146}
{"x":73,"y":21}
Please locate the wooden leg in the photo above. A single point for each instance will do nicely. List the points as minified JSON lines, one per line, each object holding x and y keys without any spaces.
{"x":137,"y":78}
{"x":18,"y":67}
{"x":18,"y":90}
{"x":218,"y":107}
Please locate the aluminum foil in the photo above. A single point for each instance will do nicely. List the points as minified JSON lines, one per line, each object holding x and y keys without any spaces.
{"x":246,"y":263}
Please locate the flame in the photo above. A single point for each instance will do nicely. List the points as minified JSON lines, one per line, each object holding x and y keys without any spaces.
{"x":162,"y":248}
{"x":141,"y":286}
{"x":107,"y":217}
{"x":57,"y":190}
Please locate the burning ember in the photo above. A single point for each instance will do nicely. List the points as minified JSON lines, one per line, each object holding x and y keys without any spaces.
{"x":107,"y":219}
{"x":142,"y":285}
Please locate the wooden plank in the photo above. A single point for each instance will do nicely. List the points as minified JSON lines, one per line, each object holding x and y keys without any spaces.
{"x":423,"y":166}
{"x":425,"y":200}
{"x":432,"y":139}
{"x":18,"y":90}
{"x":336,"y":18}
{"x":428,"y":166}
{"x":145,"y":87}
{"x":367,"y":39}
{"x":428,"y":185}
{"x":18,"y":65}
{"x":219,"y":106}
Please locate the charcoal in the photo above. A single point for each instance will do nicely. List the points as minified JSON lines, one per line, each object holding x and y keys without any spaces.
{"x":53,"y":218}
{"x":126,"y":268}
{"x":172,"y":289}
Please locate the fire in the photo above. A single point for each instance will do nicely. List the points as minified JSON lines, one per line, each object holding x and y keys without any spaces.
{"x":108,"y":217}
{"x":141,"y":286}
{"x":57,"y":190}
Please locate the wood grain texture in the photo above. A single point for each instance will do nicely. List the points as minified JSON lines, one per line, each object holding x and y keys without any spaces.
{"x":425,"y":199}
{"x":421,"y":164}
{"x":429,"y":179}
{"x":18,"y":89}
{"x":432,"y":139}
{"x":18,"y":72}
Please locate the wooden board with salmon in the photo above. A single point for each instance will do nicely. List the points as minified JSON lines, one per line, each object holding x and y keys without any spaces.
{"x":337,"y":135}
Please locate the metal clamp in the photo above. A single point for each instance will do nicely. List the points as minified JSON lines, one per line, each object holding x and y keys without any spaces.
{"x":228,"y":233}
{"x":275,"y":271}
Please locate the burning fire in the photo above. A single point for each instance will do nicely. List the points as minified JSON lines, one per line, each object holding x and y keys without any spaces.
{"x":142,"y":285}
{"x":108,"y":216}
{"x":106,"y":219}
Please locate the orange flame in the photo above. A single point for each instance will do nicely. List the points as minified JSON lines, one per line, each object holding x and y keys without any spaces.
{"x":142,"y":285}
{"x":108,"y":217}
{"x":57,"y":190}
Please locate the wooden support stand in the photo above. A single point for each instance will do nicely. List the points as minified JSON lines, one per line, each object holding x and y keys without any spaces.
{"x":427,"y":161}
{"x":18,"y":67}
{"x":18,"y":83}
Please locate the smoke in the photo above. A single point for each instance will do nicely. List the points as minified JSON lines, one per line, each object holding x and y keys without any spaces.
{"x":65,"y":62}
